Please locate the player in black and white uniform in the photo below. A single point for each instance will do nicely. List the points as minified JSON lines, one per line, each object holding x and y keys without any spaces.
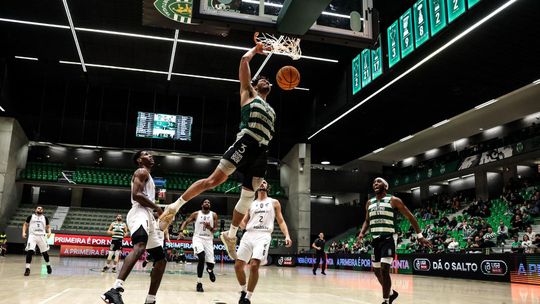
{"x":255,"y":243}
{"x":144,"y":236}
{"x":117,"y":230}
{"x":39,"y":231}
{"x":203,"y":240}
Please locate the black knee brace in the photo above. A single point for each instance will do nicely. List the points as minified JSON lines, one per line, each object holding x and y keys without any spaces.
{"x":200,"y":265}
{"x":29,"y":255}
{"x":45,"y":256}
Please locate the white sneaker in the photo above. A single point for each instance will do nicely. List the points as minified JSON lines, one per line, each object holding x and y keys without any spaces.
{"x":230,"y":244}
{"x":166,"y":218}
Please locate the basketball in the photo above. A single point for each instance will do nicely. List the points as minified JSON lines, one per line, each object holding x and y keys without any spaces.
{"x":288,"y":77}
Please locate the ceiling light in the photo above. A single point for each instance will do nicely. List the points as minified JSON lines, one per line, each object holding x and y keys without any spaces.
{"x":77,"y":46}
{"x":113,"y":67}
{"x":107,"y":32}
{"x":34,"y":23}
{"x":426,"y":59}
{"x":2,"y":109}
{"x":313,"y":196}
{"x":173,"y":53}
{"x":537,"y":82}
{"x":441,"y":123}
{"x":406,"y":138}
{"x":326,"y":197}
{"x":453,"y":179}
{"x":415,"y":188}
{"x":485,"y":104}
{"x":325,"y":162}
{"x":378,"y":150}
{"x":26,"y":58}
{"x":468,"y":175}
{"x":301,"y":89}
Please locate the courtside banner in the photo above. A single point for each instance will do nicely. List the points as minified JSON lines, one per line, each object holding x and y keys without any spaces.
{"x":359,"y":262}
{"x":78,"y":250}
{"x":526,"y":269}
{"x":99,"y":240}
{"x":285,"y":260}
{"x":493,"y":267}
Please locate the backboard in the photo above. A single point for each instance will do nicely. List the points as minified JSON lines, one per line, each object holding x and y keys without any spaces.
{"x":334,"y":25}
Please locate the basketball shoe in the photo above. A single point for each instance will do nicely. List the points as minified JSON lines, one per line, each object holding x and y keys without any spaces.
{"x":230,"y":244}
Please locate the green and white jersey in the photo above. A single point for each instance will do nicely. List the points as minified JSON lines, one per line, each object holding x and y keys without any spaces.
{"x":118,"y":230}
{"x":257,"y":120}
{"x":382,"y":217}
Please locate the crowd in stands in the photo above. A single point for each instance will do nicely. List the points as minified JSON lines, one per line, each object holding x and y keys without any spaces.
{"x":496,"y":223}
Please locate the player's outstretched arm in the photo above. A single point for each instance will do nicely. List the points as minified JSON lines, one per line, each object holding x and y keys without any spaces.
{"x":399,"y":205}
{"x":365,"y":226}
{"x":190,"y":219}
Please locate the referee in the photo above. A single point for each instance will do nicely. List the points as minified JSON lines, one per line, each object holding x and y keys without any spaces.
{"x":318,"y":245}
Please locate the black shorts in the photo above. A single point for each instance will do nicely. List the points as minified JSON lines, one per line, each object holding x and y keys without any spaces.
{"x":116,"y":245}
{"x":249,"y":157}
{"x":383,"y":247}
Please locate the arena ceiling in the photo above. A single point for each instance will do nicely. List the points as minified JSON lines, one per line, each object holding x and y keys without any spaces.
{"x":498,"y":57}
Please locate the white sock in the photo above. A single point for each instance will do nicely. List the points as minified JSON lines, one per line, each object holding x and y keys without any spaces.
{"x":150,"y":298}
{"x":385,"y":300}
{"x":178,"y":204}
{"x":249,"y":294}
{"x":199,"y":280}
{"x":118,"y":284}
{"x":244,"y":288}
{"x":232,"y":231}
{"x":27,"y":265}
{"x":48,"y":263}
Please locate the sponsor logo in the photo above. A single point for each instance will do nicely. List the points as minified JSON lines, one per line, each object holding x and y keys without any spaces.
{"x":422,"y":265}
{"x":494,"y":267}
{"x":177,"y":10}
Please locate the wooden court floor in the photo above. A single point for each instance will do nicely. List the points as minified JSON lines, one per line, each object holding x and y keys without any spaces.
{"x":80,"y":280}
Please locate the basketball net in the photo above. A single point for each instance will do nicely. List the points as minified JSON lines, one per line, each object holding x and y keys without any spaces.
{"x":282,"y":45}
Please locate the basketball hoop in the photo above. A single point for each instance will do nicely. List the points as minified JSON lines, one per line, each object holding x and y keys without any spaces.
{"x":282,"y":45}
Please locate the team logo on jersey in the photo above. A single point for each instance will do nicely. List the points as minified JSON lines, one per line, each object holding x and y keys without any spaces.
{"x":176,"y":10}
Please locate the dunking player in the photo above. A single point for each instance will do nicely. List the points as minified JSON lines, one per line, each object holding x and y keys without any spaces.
{"x":143,"y":227}
{"x":259,"y":224}
{"x":37,"y":224}
{"x":203,"y":240}
{"x":117,"y":230}
{"x":248,"y":154}
{"x":381,"y":222}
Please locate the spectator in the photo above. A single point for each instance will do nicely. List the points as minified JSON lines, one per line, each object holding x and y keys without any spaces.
{"x":490,"y":238}
{"x":527,"y":219}
{"x":453,"y":246}
{"x":530,"y":233}
{"x":516,"y":245}
{"x":536,"y":243}
{"x":517,"y":225}
{"x":527,"y":244}
{"x":502,"y":232}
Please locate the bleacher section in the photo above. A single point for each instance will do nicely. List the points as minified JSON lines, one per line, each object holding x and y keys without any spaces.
{"x":91,"y":220}
{"x":119,"y":177}
{"x":102,"y":176}
{"x":42,"y":171}
{"x":18,"y":219}
{"x":96,"y":221}
{"x":500,"y":210}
